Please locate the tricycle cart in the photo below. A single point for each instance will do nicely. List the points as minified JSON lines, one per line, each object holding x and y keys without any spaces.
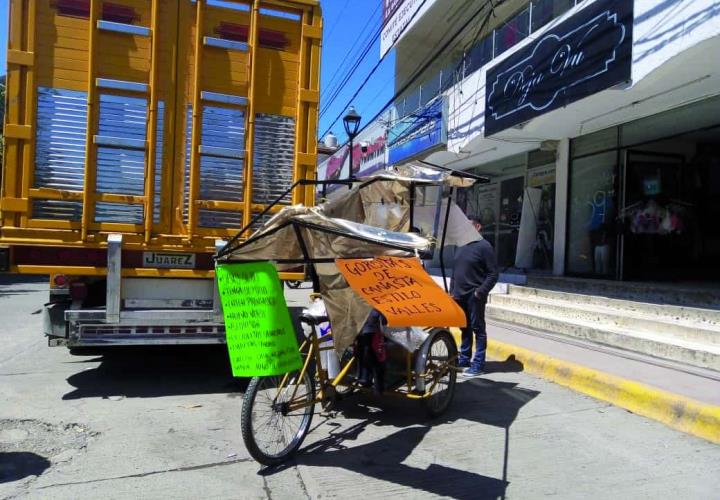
{"x":405,"y":212}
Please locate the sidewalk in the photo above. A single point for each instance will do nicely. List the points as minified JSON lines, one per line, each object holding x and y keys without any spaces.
{"x":682,"y":397}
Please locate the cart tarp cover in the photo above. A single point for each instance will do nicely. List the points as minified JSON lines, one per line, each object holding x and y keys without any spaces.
{"x":365,"y":222}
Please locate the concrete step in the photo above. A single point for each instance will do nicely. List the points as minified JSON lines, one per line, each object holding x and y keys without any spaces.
{"x":651,"y":318}
{"x":661,"y":346}
{"x":702,"y":316}
{"x":706,"y":296}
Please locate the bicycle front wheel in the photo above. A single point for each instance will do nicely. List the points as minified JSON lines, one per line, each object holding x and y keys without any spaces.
{"x":276,"y":416}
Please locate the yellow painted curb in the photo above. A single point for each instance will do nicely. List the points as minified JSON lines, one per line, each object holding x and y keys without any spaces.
{"x":680,"y":413}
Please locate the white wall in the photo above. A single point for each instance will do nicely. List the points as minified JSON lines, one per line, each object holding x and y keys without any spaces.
{"x":675,"y":59}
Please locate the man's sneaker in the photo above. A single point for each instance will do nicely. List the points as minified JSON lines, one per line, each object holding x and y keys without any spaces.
{"x":463,"y":364}
{"x":472,"y":372}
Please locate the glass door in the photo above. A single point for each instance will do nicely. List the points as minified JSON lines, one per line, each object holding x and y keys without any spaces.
{"x":651,"y":218}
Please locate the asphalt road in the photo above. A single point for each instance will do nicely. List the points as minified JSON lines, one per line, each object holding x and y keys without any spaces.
{"x":148,"y":423}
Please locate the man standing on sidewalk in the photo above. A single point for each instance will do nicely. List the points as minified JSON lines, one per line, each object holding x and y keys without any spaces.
{"x":474,"y":275}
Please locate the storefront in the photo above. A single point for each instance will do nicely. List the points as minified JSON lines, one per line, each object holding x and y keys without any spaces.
{"x":517,"y":209}
{"x":644,"y":198}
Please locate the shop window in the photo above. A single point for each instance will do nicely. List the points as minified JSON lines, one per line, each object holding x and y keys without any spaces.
{"x":450,"y":76}
{"x":592,"y":235}
{"x":430,"y":89}
{"x":544,"y":11}
{"x":479,"y":55}
{"x":702,"y":114}
{"x":512,"y":31}
{"x":412,"y":102}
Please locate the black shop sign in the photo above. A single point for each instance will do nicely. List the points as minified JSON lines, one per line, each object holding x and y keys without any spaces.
{"x":584,"y":54}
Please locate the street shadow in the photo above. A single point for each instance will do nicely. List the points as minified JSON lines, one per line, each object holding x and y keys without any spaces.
{"x":21,"y":279}
{"x":478,"y":400}
{"x":149,"y":372}
{"x":17,"y":465}
{"x":8,"y":280}
{"x":510,"y":365}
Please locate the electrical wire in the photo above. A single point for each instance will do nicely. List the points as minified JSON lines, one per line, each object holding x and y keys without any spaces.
{"x":332,"y":83}
{"x":421,"y":69}
{"x":367,"y":78}
{"x":346,"y":79}
{"x":340,"y":13}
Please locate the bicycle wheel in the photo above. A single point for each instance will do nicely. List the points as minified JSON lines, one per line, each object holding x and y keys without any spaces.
{"x":439,"y":373}
{"x":274,"y":425}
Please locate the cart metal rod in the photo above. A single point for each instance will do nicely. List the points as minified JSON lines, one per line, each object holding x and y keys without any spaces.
{"x":306,"y":255}
{"x":337,"y":232}
{"x":457,"y":173}
{"x":300,"y":182}
{"x":442,"y":241}
{"x":412,"y":205}
{"x":321,"y":229}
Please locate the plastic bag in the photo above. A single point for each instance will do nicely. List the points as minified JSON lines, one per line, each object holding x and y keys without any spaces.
{"x":410,"y":338}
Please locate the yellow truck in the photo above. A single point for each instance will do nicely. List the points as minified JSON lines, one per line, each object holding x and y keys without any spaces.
{"x":139,"y":136}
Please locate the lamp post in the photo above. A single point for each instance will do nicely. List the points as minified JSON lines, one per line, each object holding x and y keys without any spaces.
{"x":351,"y":122}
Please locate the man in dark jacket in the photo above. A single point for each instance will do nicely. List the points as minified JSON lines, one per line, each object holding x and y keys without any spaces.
{"x":474,"y":275}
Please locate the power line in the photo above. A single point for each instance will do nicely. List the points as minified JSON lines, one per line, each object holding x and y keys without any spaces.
{"x":346,"y":79}
{"x":372,"y":71}
{"x":340,"y":13}
{"x":415,"y":74}
{"x":359,"y":48}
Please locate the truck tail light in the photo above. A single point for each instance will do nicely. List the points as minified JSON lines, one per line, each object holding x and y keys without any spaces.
{"x":60,"y":281}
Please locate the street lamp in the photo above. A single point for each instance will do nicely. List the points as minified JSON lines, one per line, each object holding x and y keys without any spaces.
{"x":351,"y":122}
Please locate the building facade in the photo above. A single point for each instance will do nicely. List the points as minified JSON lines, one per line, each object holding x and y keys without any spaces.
{"x":597,"y":121}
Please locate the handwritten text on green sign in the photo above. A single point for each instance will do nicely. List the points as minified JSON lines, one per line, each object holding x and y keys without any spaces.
{"x":260,"y":335}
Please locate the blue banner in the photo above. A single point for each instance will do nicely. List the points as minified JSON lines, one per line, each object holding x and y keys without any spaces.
{"x":418,"y":132}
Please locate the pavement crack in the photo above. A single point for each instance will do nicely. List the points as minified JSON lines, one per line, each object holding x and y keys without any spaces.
{"x":571,"y":412}
{"x":303,"y":486}
{"x":266,"y":488}
{"x":151,"y":473}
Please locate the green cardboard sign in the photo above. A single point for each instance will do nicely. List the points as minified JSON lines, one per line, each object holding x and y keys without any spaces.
{"x":260,"y":335}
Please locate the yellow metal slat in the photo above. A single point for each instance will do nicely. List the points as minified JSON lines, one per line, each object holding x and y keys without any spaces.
{"x":312,"y":32}
{"x":14,"y":94}
{"x":55,"y":194}
{"x":20,"y":57}
{"x":15,"y":131}
{"x":120,"y":198}
{"x":90,"y":149}
{"x":308,"y":95}
{"x":250,"y":119}
{"x":28,"y":171}
{"x":150,"y":155}
{"x":196,"y":121}
{"x":14,"y":205}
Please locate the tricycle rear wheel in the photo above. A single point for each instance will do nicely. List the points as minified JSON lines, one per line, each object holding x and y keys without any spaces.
{"x":439,"y":372}
{"x":272,"y":429}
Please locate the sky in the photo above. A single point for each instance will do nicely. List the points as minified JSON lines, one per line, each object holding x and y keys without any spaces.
{"x":348,"y":26}
{"x":4,"y":9}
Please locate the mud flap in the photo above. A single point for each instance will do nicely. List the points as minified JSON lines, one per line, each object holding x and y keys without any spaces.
{"x":54,"y":324}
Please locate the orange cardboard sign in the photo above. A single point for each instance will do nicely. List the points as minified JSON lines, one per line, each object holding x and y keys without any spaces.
{"x":401,"y":290}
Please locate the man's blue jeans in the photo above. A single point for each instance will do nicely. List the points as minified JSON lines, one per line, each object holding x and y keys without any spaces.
{"x":475,"y":312}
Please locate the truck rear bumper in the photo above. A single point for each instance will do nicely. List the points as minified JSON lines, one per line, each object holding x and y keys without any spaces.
{"x":88,"y":327}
